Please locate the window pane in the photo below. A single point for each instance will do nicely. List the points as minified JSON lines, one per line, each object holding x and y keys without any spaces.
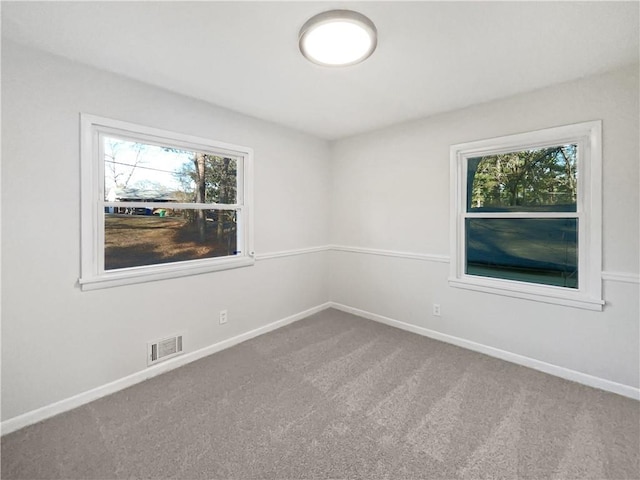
{"x":537,"y":250}
{"x":543,"y":179}
{"x":139,"y":172}
{"x":136,"y":237}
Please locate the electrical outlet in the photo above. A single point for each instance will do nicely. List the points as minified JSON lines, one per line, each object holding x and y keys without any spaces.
{"x":223,"y":316}
{"x":436,"y":309}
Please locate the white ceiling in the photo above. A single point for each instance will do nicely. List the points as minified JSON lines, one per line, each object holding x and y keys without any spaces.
{"x":431,"y":57}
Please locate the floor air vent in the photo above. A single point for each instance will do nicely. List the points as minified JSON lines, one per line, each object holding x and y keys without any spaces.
{"x":164,"y":349}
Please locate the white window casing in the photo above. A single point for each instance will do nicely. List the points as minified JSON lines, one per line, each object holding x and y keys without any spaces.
{"x":93,"y":274}
{"x":587,"y":136}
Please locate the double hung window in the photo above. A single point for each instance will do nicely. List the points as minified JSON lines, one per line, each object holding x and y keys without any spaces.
{"x":158,"y":204}
{"x":526,"y":215}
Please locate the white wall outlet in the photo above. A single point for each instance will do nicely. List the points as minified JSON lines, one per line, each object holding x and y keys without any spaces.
{"x":436,"y":309}
{"x":223,"y":316}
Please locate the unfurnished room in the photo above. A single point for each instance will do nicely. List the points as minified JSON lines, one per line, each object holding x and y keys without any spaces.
{"x":320,"y":240}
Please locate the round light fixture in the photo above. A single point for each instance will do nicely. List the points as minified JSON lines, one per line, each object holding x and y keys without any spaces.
{"x":338,"y":38}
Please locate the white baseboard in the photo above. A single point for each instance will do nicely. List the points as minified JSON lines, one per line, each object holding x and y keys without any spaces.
{"x":70,"y":403}
{"x":573,"y":375}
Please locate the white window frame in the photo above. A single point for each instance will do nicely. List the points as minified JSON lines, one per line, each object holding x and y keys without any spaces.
{"x":93,"y":275}
{"x":588,"y":137}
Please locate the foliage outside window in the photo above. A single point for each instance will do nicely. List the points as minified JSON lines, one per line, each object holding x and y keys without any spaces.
{"x":531,"y":249}
{"x":527,"y":215}
{"x":158,"y":204}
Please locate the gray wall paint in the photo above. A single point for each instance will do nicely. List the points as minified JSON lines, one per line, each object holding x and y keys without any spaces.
{"x":386,"y":190}
{"x":58,"y":341}
{"x":391,"y":191}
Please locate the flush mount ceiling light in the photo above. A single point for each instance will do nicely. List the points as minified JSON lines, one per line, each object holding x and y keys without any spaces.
{"x":338,"y":38}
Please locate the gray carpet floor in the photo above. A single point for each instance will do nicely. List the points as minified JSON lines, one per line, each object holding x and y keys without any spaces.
{"x":337,"y":396}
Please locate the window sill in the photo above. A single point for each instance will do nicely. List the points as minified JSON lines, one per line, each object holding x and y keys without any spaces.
{"x":541,"y":294}
{"x":153,"y":273}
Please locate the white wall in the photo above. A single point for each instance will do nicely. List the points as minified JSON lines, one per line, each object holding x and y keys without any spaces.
{"x":386,"y":190}
{"x":391,"y":192}
{"x":58,"y":341}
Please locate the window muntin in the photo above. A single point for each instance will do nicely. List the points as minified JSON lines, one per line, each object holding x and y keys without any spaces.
{"x":159,"y":204}
{"x":527,"y":215}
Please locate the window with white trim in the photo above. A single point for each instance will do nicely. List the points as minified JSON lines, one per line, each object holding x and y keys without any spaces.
{"x":158,"y":204}
{"x":526,"y":215}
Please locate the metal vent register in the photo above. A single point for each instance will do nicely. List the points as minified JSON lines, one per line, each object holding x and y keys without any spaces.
{"x":164,"y":349}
